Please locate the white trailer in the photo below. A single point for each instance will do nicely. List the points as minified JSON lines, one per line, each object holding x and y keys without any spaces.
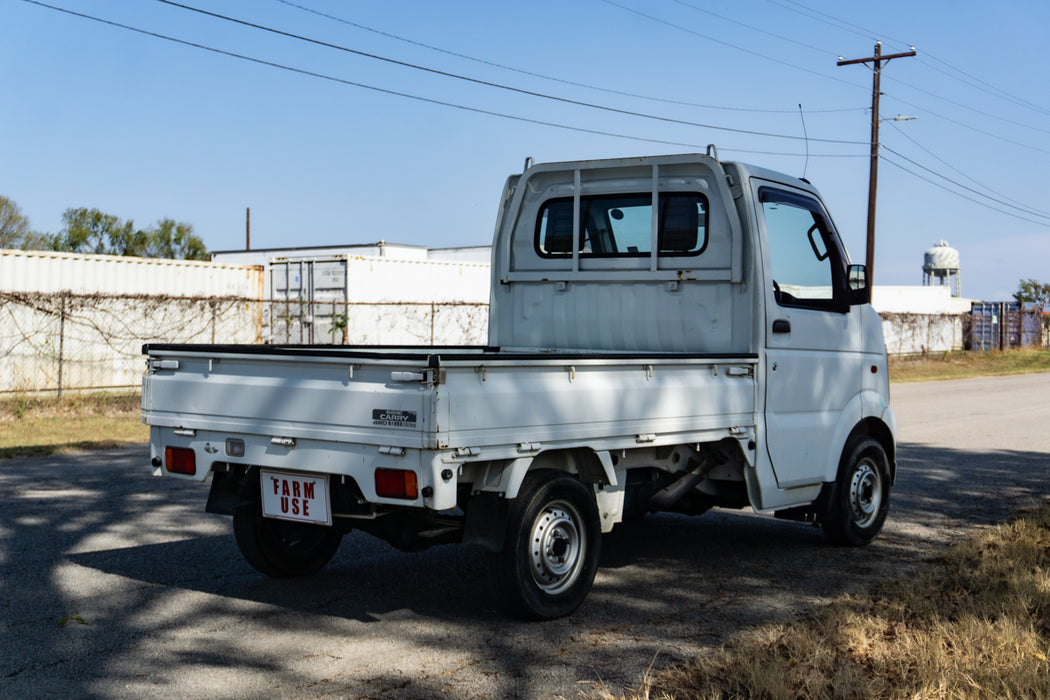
{"x":665,"y":333}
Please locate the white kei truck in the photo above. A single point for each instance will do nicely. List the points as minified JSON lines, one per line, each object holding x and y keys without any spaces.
{"x":666,"y":333}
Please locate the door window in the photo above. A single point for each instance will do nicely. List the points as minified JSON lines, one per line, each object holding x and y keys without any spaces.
{"x":804,"y":252}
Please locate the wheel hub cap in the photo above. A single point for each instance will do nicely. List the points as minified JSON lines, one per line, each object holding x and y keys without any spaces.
{"x":556,"y":547}
{"x":865,"y":494}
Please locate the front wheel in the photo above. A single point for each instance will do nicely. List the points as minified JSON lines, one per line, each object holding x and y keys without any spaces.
{"x":550,"y":554}
{"x":861,"y":497}
{"x":281,"y":548}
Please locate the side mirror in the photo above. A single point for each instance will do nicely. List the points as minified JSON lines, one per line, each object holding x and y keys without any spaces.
{"x":859,"y":291}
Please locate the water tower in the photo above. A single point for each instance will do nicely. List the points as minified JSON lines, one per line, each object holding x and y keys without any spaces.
{"x":941,"y":262}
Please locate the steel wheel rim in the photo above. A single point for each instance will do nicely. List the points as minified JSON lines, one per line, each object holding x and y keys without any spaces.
{"x":556,"y":545}
{"x":865,"y":493}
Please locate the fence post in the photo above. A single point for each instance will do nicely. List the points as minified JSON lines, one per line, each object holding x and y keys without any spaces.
{"x":61,"y":339}
{"x":214,"y":312}
{"x":1002,"y":326}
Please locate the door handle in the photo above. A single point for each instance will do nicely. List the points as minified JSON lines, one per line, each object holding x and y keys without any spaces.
{"x":781,"y":325}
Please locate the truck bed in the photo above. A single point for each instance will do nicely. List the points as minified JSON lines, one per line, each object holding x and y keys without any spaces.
{"x":349,"y":410}
{"x":440,"y":398}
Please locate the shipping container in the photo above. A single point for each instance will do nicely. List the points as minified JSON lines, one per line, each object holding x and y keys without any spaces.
{"x":361,"y":300}
{"x":50,"y":272}
{"x":1004,"y":325}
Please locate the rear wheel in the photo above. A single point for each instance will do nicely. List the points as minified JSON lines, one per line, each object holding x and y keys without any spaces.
{"x":281,"y":548}
{"x":862,"y":494}
{"x":550,"y":554}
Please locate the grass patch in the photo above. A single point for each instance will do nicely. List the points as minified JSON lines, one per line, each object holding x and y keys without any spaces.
{"x":42,"y":425}
{"x":971,"y":623}
{"x":965,"y":364}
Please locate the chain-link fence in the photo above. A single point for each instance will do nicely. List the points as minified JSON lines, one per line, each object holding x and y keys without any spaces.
{"x":55,"y":342}
{"x":64,"y":341}
{"x":990,"y":326}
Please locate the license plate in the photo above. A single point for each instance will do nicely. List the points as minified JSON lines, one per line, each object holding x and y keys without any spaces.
{"x":299,"y":497}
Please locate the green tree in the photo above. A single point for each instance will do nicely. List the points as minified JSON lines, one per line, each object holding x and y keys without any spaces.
{"x":1030,"y":291}
{"x":93,"y":231}
{"x":15,"y":231}
{"x":174,"y":239}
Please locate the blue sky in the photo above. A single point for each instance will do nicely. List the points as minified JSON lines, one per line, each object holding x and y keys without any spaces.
{"x":144,"y":128}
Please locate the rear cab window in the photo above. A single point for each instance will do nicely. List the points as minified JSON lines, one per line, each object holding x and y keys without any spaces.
{"x":621,"y":225}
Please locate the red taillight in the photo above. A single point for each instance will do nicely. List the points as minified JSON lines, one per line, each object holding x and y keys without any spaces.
{"x":180,"y":460}
{"x":396,"y":483}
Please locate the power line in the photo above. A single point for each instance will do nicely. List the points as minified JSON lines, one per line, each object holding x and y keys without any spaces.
{"x":543,"y":76}
{"x":500,"y":86}
{"x":728,"y":44}
{"x":967,"y":79}
{"x":1025,"y":210}
{"x":776,"y":60}
{"x":788,"y":39}
{"x":978,"y":84}
{"x":958,"y":194}
{"x":831,"y":20}
{"x":365,"y":86}
{"x":964,"y":125}
{"x":971,"y":108}
{"x":1020,"y":204}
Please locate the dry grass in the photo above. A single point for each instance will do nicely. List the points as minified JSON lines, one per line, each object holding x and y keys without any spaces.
{"x":960,"y":365}
{"x":39,"y":425}
{"x":973,"y":623}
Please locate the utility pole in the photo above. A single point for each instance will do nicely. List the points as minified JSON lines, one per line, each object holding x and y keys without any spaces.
{"x":248,"y":228}
{"x":873,"y":174}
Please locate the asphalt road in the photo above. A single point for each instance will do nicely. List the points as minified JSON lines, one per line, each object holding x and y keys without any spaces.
{"x":116,"y":584}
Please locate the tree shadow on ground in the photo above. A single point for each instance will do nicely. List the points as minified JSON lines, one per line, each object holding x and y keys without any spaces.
{"x":169,"y":606}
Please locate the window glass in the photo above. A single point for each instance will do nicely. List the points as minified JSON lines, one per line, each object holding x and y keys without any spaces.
{"x":621,"y":225}
{"x":802,"y":249}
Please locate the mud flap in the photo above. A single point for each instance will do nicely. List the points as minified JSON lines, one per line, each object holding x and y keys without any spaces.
{"x":486,"y":521}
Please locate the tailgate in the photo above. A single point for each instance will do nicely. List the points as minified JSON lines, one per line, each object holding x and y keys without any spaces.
{"x":307,"y":396}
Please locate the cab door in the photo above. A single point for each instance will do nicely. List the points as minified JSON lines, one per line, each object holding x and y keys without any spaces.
{"x":813,"y":336}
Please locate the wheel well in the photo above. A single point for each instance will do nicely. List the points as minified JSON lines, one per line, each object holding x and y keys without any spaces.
{"x":487,"y":511}
{"x":876,"y":429}
{"x":581,"y":461}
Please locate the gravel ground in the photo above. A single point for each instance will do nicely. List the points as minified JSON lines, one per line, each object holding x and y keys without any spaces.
{"x":116,"y":584}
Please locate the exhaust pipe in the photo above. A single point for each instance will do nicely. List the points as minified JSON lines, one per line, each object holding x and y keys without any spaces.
{"x":697,"y":472}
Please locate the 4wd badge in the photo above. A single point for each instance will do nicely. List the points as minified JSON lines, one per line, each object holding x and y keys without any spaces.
{"x":393,"y":417}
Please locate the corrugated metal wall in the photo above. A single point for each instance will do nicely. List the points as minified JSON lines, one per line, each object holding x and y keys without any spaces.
{"x":45,"y":271}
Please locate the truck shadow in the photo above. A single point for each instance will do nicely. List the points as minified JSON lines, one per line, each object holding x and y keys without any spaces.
{"x":668,"y":587}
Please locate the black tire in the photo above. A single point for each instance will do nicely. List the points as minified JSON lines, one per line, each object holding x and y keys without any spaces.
{"x":551,"y":549}
{"x":861,"y":496}
{"x":281,"y":548}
